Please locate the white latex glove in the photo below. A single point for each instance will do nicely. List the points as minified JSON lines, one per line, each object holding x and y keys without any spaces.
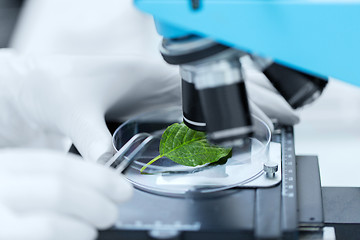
{"x":69,"y":96}
{"x":264,"y":100}
{"x":48,"y":98}
{"x":46,"y":195}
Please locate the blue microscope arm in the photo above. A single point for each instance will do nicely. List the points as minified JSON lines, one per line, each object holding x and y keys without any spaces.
{"x":319,"y":37}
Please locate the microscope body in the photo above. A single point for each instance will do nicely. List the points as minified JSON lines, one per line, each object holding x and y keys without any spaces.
{"x":320,"y":38}
{"x":297,"y":44}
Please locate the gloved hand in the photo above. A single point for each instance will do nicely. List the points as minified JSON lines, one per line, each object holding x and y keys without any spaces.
{"x":46,"y":195}
{"x":69,"y":96}
{"x":264,"y":100}
{"x":51,"y":98}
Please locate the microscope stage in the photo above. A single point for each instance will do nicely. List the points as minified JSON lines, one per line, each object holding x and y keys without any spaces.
{"x":237,"y":213}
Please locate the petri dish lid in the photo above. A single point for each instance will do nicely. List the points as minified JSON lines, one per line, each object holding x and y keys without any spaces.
{"x":168,"y":178}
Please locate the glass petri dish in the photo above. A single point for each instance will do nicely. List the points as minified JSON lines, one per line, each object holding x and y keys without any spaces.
{"x":168,"y":178}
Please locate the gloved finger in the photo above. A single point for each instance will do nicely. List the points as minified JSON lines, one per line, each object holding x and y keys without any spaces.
{"x":22,"y":162}
{"x":272,"y":104}
{"x":59,"y":195}
{"x":251,"y":73}
{"x":45,"y":227}
{"x":89,"y":133}
{"x":157,"y":85}
{"x":260,"y":114}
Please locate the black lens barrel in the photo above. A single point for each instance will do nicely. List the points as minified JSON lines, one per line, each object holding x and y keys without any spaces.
{"x":227,"y":113}
{"x":193,"y":115}
{"x":213,"y":90}
{"x":296,"y":87}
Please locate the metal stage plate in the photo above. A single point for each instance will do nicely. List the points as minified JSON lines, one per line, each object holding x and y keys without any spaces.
{"x":237,"y":213}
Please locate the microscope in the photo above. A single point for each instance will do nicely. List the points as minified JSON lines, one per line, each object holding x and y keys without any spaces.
{"x":297,"y":45}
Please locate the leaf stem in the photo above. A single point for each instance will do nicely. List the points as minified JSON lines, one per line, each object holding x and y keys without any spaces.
{"x":150,"y":162}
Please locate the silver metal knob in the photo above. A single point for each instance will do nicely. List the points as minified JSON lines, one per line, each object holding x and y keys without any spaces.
{"x":270,"y":168}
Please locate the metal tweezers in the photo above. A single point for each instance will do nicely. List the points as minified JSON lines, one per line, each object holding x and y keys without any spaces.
{"x":121,"y":162}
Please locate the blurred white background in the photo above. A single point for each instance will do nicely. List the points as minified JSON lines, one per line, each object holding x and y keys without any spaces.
{"x":330,"y":128}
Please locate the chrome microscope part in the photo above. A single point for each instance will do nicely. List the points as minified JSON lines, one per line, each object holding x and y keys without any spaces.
{"x":270,"y":168}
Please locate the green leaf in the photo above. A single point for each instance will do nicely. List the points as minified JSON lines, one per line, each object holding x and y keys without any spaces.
{"x":187,"y":147}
